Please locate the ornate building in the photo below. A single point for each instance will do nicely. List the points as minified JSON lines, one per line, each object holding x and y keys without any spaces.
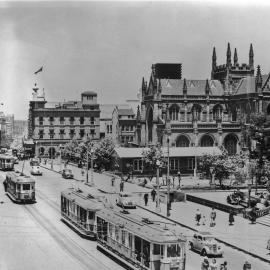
{"x":211,"y":112}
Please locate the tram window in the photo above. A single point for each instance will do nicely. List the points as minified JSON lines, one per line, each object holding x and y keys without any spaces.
{"x":26,"y":186}
{"x":116,"y":233}
{"x":173,"y":250}
{"x":130,"y":240}
{"x":91,"y":215}
{"x":156,"y":249}
{"x":123,"y":237}
{"x":18,"y":187}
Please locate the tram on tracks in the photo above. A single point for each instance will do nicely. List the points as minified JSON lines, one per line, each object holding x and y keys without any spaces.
{"x":20,"y":188}
{"x":78,"y":210}
{"x":138,"y":243}
{"x":6,"y":162}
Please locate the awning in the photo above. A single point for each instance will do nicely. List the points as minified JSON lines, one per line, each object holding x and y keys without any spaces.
{"x":124,"y":152}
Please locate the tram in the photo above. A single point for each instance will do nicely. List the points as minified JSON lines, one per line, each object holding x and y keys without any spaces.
{"x":20,"y":188}
{"x":78,"y":210}
{"x":6,"y":162}
{"x":138,"y":243}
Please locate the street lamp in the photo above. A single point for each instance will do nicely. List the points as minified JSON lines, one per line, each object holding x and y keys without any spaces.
{"x":212,"y":175}
{"x":179,"y":179}
{"x":92,"y":167}
{"x":158,"y":209}
{"x":249,"y":191}
{"x":60,"y":148}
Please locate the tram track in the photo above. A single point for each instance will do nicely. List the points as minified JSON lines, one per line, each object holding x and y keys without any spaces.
{"x":76,"y":251}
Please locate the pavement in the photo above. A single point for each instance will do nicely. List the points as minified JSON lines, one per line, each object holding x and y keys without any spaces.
{"x":244,"y":236}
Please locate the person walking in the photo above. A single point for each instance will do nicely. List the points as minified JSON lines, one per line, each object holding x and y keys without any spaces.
{"x":213,"y":264}
{"x":5,"y":185}
{"x":145,"y":199}
{"x":203,"y":220}
{"x":122,"y":186}
{"x":213,"y":216}
{"x":231,"y":218}
{"x":205,"y":264}
{"x":113,"y":180}
{"x":153,"y":194}
{"x":198,"y":216}
{"x":223,"y":266}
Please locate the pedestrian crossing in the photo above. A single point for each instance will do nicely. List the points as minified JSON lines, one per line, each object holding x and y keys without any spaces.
{"x":264,"y":220}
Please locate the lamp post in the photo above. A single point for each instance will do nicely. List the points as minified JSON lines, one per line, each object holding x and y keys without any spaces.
{"x":158,"y":210}
{"x":168,"y":175}
{"x":60,"y":148}
{"x":249,"y":191}
{"x":92,"y":167}
{"x":211,"y":171}
{"x":179,"y":179}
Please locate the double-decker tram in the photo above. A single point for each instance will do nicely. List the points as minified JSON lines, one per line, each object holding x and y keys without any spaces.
{"x":78,"y":210}
{"x":6,"y":162}
{"x":20,"y":188}
{"x":138,"y":243}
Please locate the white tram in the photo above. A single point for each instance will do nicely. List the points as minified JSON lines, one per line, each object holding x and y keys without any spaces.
{"x":78,"y":210}
{"x":20,"y":188}
{"x":6,"y":162}
{"x":139,"y":243}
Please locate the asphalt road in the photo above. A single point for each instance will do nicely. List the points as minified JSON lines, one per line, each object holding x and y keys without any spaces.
{"x":61,"y":247}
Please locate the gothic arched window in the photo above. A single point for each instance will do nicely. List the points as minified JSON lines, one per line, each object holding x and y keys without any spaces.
{"x":217,"y":112}
{"x":230,"y":143}
{"x":207,"y":140}
{"x":196,"y":112}
{"x":174,"y":110}
{"x":182,"y":141}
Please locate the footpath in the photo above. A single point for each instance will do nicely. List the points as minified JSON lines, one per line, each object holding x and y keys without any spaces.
{"x":244,"y":236}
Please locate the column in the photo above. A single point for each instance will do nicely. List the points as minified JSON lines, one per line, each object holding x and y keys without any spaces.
{"x":185,"y":112}
{"x":207,"y":113}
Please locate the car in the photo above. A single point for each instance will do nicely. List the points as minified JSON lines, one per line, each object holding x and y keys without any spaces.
{"x":206,"y":244}
{"x":125,"y":200}
{"x":67,"y":174}
{"x":35,"y":170}
{"x":34,"y":162}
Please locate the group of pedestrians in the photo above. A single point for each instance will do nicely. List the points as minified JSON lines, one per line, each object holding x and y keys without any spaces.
{"x":199,"y":217}
{"x":146,"y":195}
{"x":213,"y":265}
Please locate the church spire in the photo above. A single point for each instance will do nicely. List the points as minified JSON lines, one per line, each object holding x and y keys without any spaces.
{"x":235,"y":57}
{"x":258,"y":78}
{"x":185,"y":88}
{"x":207,"y":88}
{"x":214,"y":59}
{"x":251,"y":57}
{"x":229,"y":61}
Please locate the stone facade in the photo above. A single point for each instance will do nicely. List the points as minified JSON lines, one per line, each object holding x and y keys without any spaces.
{"x":211,"y":112}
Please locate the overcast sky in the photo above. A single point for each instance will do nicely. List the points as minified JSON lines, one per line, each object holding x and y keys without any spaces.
{"x":108,"y":47}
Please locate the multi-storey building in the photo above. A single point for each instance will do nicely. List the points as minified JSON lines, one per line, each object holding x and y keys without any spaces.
{"x":211,"y":112}
{"x":123,"y":126}
{"x":54,"y":124}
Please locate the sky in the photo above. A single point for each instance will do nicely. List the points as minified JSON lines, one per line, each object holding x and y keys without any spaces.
{"x":107,"y":47}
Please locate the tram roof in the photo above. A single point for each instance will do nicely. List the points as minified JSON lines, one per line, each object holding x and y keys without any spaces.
{"x":156,"y":232}
{"x":5,"y":156}
{"x":21,"y":178}
{"x":81,"y":198}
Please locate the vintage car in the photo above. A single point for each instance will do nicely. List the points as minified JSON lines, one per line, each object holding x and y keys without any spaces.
{"x":34,"y":162}
{"x":125,"y":200}
{"x":67,"y":174}
{"x":206,"y":244}
{"x":35,"y":170}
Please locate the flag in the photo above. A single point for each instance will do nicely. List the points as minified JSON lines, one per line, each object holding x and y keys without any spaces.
{"x":39,"y":70}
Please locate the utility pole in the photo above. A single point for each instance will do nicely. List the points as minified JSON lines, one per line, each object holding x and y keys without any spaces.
{"x":168,"y":177}
{"x":158,"y":210}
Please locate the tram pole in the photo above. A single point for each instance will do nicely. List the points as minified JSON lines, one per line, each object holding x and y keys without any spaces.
{"x":92,"y":167}
{"x":168,"y":178}
{"x":158,"y":210}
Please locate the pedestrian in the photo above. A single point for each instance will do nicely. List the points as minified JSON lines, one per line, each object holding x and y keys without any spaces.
{"x":82,"y":172}
{"x":223,"y":266}
{"x":231,"y":217}
{"x":5,"y":185}
{"x":268,"y":246}
{"x":45,"y":161}
{"x":203,"y":220}
{"x":121,"y":186}
{"x":246,"y":266}
{"x":113,"y":180}
{"x":145,"y":199}
{"x":205,"y":264}
{"x":173,"y":181}
{"x":198,"y":216}
{"x":213,"y":264}
{"x":153,"y":194}
{"x":213,"y":216}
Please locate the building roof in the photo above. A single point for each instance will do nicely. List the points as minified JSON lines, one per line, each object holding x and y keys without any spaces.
{"x":194,"y":87}
{"x":125,"y":111}
{"x":124,"y":152}
{"x":90,"y":93}
{"x":106,"y":110}
{"x":156,"y":232}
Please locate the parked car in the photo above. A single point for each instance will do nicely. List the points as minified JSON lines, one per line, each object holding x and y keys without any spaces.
{"x":67,"y":174}
{"x":206,"y":244}
{"x":35,"y":170}
{"x":125,"y":200}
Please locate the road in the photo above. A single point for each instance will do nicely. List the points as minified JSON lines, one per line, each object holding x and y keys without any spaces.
{"x":47,"y":243}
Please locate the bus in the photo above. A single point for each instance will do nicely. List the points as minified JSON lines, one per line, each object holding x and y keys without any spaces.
{"x":139,"y":243}
{"x":78,"y":210}
{"x":6,"y":163}
{"x":20,"y":188}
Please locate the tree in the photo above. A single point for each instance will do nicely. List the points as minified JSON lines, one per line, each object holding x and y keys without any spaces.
{"x":71,"y":148}
{"x":151,"y":156}
{"x":103,"y":153}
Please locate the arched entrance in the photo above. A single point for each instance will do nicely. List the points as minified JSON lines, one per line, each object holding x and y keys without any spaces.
{"x":182,"y":141}
{"x":51,"y":152}
{"x":207,"y":141}
{"x":230,"y":144}
{"x":150,"y":125}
